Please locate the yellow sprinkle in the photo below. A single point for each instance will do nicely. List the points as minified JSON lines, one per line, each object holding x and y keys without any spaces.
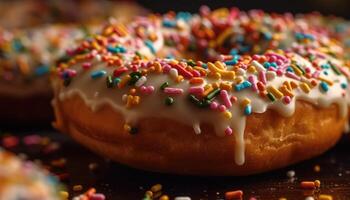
{"x":219,"y":65}
{"x":297,"y":70}
{"x":304,"y":87}
{"x":284,"y":89}
{"x":329,"y":82}
{"x":317,"y":183}
{"x":179,"y":78}
{"x":77,"y":188}
{"x":228,"y":114}
{"x":174,"y":62}
{"x":207,"y":89}
{"x":245,"y":101}
{"x":122,"y":29}
{"x":225,"y":86}
{"x":156,"y":188}
{"x":64,"y":195}
{"x":149,"y":193}
{"x":215,"y":75}
{"x":251,"y":69}
{"x":164,"y":197}
{"x":124,"y":80}
{"x":325,"y":197}
{"x":278,"y":94}
{"x":96,"y":46}
{"x":238,"y":79}
{"x":158,"y":67}
{"x":223,"y":73}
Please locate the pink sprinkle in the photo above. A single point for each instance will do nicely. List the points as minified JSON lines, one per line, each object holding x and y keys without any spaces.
{"x":146,"y":90}
{"x":32,"y":139}
{"x":166,"y":68}
{"x":292,"y":75}
{"x":272,"y":58}
{"x":262,"y":77}
{"x":279,"y":62}
{"x":86,"y":65}
{"x":173,"y":91}
{"x":228,"y":131}
{"x":196,"y":73}
{"x":252,"y":80}
{"x":222,"y":108}
{"x":316,"y":74}
{"x":71,"y":72}
{"x":287,"y":99}
{"x":182,"y":71}
{"x":97,"y":196}
{"x":214,"y":105}
{"x":196,"y":90}
{"x":256,"y":57}
{"x":225,"y":98}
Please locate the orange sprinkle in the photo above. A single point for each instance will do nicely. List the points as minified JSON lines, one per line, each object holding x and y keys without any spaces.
{"x":308,"y":185}
{"x":238,"y":194}
{"x":196,"y":80}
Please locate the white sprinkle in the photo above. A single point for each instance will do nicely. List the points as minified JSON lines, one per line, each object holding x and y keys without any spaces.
{"x":98,"y":57}
{"x":124,"y":97}
{"x":290,"y":173}
{"x":258,"y":66}
{"x":182,"y":198}
{"x":270,"y":75}
{"x":141,"y":81}
{"x":240,"y":71}
{"x":173,"y":73}
{"x":309,"y":198}
{"x":197,"y":128}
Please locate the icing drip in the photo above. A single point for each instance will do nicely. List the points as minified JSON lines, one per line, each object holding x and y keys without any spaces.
{"x":222,"y":93}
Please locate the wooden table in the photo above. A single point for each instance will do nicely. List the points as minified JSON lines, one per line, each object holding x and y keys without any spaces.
{"x":120,"y":182}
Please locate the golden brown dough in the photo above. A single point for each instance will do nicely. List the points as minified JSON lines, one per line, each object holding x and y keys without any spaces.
{"x":271,"y":141}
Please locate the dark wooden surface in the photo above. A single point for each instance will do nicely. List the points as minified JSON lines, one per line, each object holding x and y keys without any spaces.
{"x":120,"y":182}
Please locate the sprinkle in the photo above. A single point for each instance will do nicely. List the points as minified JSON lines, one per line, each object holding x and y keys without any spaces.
{"x":181,"y":70}
{"x":98,"y":74}
{"x":262,"y":77}
{"x":292,"y":75}
{"x":124,"y":81}
{"x":196,"y":80}
{"x":214,"y":105}
{"x":258,"y":66}
{"x":276,"y":93}
{"x":156,"y":188}
{"x":286,"y":99}
{"x":42,"y":70}
{"x":225,"y":98}
{"x":252,"y":80}
{"x":119,"y":71}
{"x":324,"y":86}
{"x":308,"y":185}
{"x":169,"y":101}
{"x":290,"y":173}
{"x":164,"y":85}
{"x":228,"y":131}
{"x":335,"y":69}
{"x":305,"y":87}
{"x":248,"y":110}
{"x":182,"y":198}
{"x":86,"y":65}
{"x":245,"y":101}
{"x":213,"y":94}
{"x":243,"y":85}
{"x":141,"y":81}
{"x":149,"y":44}
{"x":109,"y":82}
{"x":97,"y":196}
{"x":271,"y":97}
{"x":196,"y":90}
{"x":317,"y":168}
{"x":64,"y":194}
{"x":173,"y":91}
{"x":222,"y":108}
{"x":325,"y":197}
{"x":325,"y":80}
{"x":238,"y":194}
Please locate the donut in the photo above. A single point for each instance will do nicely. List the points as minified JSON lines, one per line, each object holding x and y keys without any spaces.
{"x":186,"y":94}
{"x":24,"y":180}
{"x":26,"y":57}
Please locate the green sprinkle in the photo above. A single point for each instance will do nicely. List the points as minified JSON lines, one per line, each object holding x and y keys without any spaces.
{"x":169,"y":101}
{"x":109,"y":81}
{"x":301,"y":69}
{"x":335,"y":69}
{"x":133,"y":130}
{"x":271,"y":97}
{"x":213,"y":94}
{"x":164,"y":85}
{"x":191,"y":63}
{"x":135,"y":76}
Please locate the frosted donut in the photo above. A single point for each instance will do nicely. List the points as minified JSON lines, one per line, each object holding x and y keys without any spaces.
{"x":134,"y":95}
{"x":26,"y":57}
{"x":24,"y":180}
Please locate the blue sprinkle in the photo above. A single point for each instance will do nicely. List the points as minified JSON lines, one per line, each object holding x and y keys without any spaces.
{"x":267,"y":36}
{"x":98,"y":74}
{"x":325,"y":72}
{"x":267,"y":64}
{"x":248,"y":109}
{"x":231,"y":62}
{"x":233,"y":52}
{"x":42,"y":70}
{"x":290,"y":69}
{"x":243,"y":85}
{"x":149,"y":44}
{"x":344,"y":85}
{"x":184,"y":15}
{"x":205,"y":66}
{"x":116,"y":81}
{"x":118,"y":49}
{"x":324,"y":86}
{"x":169,"y":24}
{"x":325,"y":66}
{"x":273,"y":64}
